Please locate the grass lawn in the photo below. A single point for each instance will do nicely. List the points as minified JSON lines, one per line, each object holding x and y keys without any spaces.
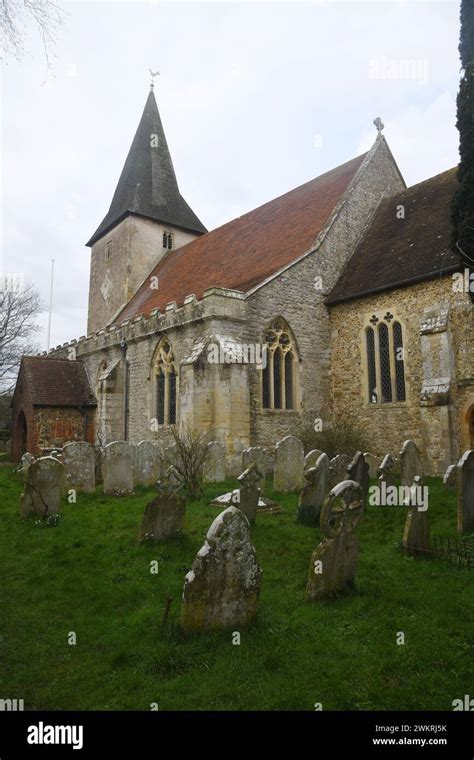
{"x":88,"y":575}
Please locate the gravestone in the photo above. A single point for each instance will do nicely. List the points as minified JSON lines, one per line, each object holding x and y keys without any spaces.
{"x":410,"y":463}
{"x":289,"y":465}
{"x":118,"y":468}
{"x":372,"y":461}
{"x":311,"y":458}
{"x":249,"y":492}
{"x":386,"y":470}
{"x":337,"y":469}
{"x":416,"y":533}
{"x":99,"y":458}
{"x":313,"y":494}
{"x":358,"y":470}
{"x":148,"y":466}
{"x":215,"y":462}
{"x":450,"y":477}
{"x":222,"y":588}
{"x":333,"y":563}
{"x":42,"y":489}
{"x":465,"y":486}
{"x":259,"y":456}
{"x":79,"y":466}
{"x":164,"y":516}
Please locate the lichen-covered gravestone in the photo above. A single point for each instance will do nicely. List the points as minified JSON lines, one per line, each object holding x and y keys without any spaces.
{"x":249,"y":491}
{"x":259,"y":456}
{"x":337,"y":469}
{"x":79,"y":466}
{"x":43,"y":486}
{"x":372,"y":461}
{"x":416,"y":534}
{"x":410,"y":463}
{"x":148,"y":463}
{"x":289,"y":465}
{"x":387,"y":471}
{"x":465,"y":485}
{"x":215,"y":462}
{"x":164,"y":516}
{"x":333,"y":563}
{"x":118,"y":467}
{"x":222,"y":588}
{"x":358,"y":470}
{"x":312,"y":496}
{"x":311,"y":458}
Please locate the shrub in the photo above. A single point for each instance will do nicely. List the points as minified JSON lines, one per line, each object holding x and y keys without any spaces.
{"x":343,"y":437}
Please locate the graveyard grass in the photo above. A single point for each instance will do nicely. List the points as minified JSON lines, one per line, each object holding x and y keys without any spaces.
{"x":90,"y":576}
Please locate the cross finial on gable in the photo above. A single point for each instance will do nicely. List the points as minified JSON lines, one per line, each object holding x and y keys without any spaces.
{"x":379,"y":124}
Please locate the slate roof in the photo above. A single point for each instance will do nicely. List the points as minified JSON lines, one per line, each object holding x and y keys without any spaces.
{"x":147,"y":185}
{"x":401,"y":251}
{"x":57,"y":382}
{"x":247,"y":250}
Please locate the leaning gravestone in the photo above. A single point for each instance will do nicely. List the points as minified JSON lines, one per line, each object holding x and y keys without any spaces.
{"x":358,"y":470}
{"x":372,"y":461}
{"x":386,"y":470}
{"x":249,"y":492}
{"x":79,"y":466}
{"x":118,"y":467}
{"x":215,"y":462}
{"x":416,"y":534}
{"x":337,"y":469}
{"x":313,"y":494}
{"x":311,"y":458}
{"x":43,"y":486}
{"x":148,"y":465}
{"x":164,"y":516}
{"x":333,"y":563}
{"x":465,"y":486}
{"x":450,"y":477}
{"x":410,"y":463}
{"x":289,"y":465}
{"x":221,"y":590}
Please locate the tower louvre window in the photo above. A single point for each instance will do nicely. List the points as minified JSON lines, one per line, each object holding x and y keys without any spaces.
{"x":167,"y":240}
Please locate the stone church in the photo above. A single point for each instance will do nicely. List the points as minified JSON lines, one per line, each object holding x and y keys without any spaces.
{"x":339,"y":300}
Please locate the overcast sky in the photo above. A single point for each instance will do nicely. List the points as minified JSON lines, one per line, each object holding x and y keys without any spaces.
{"x":255,"y":98}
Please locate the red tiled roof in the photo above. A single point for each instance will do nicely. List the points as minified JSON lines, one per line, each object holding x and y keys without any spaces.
{"x":247,"y":250}
{"x":398,"y":251}
{"x":57,"y":382}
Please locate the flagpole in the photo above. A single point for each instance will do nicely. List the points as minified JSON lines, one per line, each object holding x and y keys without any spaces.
{"x":50,"y":303}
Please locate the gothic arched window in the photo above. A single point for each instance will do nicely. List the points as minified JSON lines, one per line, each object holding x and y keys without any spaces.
{"x":165,"y":377}
{"x":279,"y":373}
{"x":385,"y":360}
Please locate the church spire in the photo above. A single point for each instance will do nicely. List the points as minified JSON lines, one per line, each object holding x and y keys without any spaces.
{"x":149,"y":167}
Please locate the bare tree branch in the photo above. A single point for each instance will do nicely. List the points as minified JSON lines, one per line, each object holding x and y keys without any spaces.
{"x":16,"y":19}
{"x":18,"y":312}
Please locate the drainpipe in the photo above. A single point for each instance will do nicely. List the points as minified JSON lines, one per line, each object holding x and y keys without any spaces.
{"x":123,"y":349}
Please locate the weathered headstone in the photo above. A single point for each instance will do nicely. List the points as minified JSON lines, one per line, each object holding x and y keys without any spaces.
{"x":164,"y":516}
{"x":215,"y":462}
{"x":358,"y":470}
{"x":79,"y":466}
{"x":118,"y":468}
{"x":386,"y":471}
{"x":333,"y":563}
{"x":311,"y":458}
{"x":148,"y":463}
{"x":410,"y":463}
{"x":372,"y":461}
{"x":42,"y":489}
{"x":289,"y":465}
{"x":465,"y":486}
{"x":222,"y":588}
{"x":450,"y":477}
{"x":337,"y":469}
{"x":249,"y":491}
{"x":416,"y":534}
{"x":313,"y":494}
{"x":259,"y":456}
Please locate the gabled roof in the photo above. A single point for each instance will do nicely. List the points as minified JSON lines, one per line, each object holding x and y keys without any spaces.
{"x":247,"y":250}
{"x":147,"y":186}
{"x":406,"y":242}
{"x":57,"y":382}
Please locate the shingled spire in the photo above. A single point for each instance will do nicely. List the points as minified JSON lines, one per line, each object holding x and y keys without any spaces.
{"x":147,"y":185}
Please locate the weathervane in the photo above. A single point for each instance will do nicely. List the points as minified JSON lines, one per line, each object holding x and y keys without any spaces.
{"x":153,"y":75}
{"x":379,"y":124}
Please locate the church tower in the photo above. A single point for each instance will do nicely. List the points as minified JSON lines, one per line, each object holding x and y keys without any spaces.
{"x":147,"y":219}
